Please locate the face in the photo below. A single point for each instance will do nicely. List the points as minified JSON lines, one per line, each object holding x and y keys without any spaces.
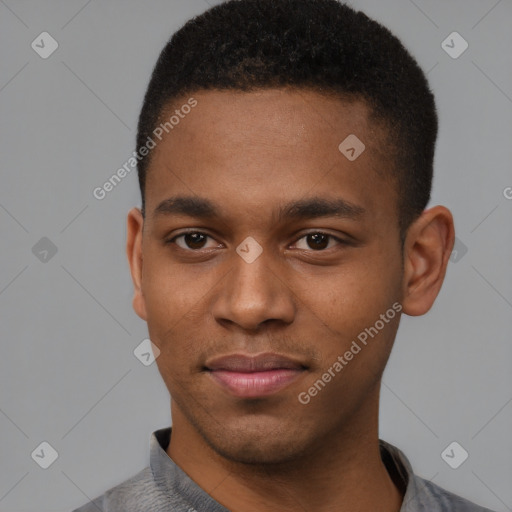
{"x":280,"y":247}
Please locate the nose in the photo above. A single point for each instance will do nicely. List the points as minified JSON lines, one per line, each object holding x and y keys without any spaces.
{"x":252,"y":294}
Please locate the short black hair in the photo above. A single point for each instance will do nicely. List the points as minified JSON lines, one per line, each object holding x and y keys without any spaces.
{"x":323,"y":45}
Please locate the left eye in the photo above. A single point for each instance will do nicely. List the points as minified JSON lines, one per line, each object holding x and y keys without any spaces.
{"x":318,"y":241}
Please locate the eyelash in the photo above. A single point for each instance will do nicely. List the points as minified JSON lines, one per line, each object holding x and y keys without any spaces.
{"x":339,"y":240}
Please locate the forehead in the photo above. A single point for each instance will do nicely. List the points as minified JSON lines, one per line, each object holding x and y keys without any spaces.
{"x":265,"y":146}
{"x":286,"y":116}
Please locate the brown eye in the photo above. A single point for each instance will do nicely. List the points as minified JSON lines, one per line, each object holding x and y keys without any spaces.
{"x":318,"y":241}
{"x":193,"y":240}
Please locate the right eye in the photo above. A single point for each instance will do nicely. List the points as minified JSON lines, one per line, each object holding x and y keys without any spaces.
{"x":192,"y":241}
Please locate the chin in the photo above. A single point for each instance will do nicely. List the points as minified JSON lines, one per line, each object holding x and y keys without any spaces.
{"x":253,"y":442}
{"x":254,"y":452}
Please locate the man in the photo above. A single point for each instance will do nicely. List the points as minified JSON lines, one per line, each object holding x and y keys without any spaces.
{"x":286,"y":151}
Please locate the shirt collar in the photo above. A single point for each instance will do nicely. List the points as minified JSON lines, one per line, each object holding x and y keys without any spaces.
{"x":174,"y":481}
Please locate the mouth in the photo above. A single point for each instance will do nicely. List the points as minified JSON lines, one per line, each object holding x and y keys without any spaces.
{"x":245,"y":376}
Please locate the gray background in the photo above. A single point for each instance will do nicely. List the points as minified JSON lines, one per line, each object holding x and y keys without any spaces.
{"x":68,"y":374}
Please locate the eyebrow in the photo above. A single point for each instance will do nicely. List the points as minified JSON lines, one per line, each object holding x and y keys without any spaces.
{"x":301,"y":209}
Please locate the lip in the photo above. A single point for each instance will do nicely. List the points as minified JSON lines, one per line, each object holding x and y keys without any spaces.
{"x":246,"y":376}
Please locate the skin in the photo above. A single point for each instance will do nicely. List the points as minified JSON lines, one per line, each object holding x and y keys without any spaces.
{"x":250,"y":153}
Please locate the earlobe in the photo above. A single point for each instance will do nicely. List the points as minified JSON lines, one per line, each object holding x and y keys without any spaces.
{"x":427,"y":248}
{"x":135,"y":224}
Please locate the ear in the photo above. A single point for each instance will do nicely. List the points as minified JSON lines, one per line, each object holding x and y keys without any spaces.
{"x":135,"y":224}
{"x":427,"y":249}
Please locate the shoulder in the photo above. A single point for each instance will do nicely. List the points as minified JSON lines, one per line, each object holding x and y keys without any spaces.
{"x":422,"y":495}
{"x":137,"y":493}
{"x":93,"y":506}
{"x":432,"y":497}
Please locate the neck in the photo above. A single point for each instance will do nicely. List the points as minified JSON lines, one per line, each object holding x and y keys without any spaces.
{"x":342,"y":472}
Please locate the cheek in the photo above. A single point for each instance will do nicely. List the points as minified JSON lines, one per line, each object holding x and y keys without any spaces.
{"x":170,"y":300}
{"x":357,"y":292}
{"x":170,"y":291}
{"x":350,"y":303}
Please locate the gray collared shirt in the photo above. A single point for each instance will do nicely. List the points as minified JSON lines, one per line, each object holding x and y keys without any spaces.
{"x":164,"y":487}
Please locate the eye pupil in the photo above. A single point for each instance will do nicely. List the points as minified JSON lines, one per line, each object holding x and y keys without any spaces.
{"x":193,"y":238}
{"x":320,"y":241}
